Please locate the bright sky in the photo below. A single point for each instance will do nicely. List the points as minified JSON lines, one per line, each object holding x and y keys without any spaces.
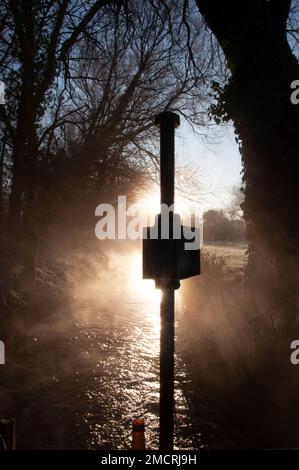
{"x":218,"y":159}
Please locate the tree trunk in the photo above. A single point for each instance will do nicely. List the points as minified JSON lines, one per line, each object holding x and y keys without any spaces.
{"x":2,"y":182}
{"x":257,"y":99}
{"x":17,"y":189}
{"x":22,"y":199}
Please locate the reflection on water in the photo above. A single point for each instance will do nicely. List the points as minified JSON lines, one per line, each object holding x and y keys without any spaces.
{"x":121,"y":331}
{"x":142,"y":289}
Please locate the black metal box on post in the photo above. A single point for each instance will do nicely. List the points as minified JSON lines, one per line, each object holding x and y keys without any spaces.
{"x":166,"y":260}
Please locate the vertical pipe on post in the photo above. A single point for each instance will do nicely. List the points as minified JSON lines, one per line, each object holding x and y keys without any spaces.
{"x":167,"y":121}
{"x":167,"y":163}
{"x":167,"y":370}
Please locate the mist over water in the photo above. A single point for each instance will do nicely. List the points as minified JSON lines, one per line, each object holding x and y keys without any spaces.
{"x":96,"y":364}
{"x":123,"y":327}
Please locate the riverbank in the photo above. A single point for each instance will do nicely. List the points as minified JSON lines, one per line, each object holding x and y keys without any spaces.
{"x":238,"y":360}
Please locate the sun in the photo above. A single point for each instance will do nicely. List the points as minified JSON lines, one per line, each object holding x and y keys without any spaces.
{"x":149,"y":205}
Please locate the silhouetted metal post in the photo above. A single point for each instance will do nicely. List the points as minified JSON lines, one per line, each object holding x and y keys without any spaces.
{"x":166,"y":259}
{"x":167,"y":122}
{"x":167,"y":370}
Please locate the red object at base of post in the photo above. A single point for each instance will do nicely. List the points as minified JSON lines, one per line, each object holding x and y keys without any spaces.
{"x":138,"y":438}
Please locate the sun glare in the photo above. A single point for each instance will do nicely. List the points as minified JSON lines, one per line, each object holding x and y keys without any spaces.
{"x":144,"y":288}
{"x":150,"y":205}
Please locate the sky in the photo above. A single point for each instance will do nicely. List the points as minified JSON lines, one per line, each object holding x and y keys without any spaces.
{"x":217,"y":160}
{"x":213,"y":166}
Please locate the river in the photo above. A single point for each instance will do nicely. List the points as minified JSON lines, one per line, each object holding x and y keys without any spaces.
{"x":95,"y":367}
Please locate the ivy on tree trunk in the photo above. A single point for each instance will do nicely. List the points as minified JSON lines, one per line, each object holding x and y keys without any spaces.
{"x":253,"y":37}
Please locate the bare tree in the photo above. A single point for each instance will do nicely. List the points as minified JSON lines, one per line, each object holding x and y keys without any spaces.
{"x":36,"y":39}
{"x":84,"y":81}
{"x":126,"y":70}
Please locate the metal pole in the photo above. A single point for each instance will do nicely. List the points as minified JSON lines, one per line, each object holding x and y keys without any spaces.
{"x":167,"y":369}
{"x":167,"y":122}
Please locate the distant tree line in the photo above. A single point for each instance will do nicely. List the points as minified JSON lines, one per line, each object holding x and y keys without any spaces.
{"x":218,"y":226}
